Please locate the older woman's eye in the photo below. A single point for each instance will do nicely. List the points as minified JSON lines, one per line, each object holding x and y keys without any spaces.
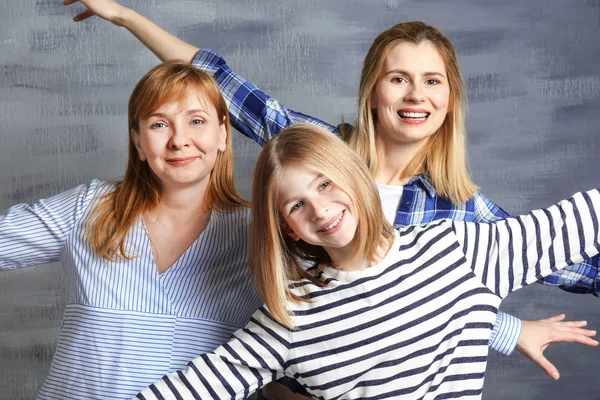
{"x":197,"y":121}
{"x":157,"y":125}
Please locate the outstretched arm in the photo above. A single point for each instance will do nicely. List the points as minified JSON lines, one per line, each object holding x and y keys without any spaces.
{"x":254,"y":356}
{"x":509,"y":254}
{"x":253,"y":112}
{"x":164,"y":45}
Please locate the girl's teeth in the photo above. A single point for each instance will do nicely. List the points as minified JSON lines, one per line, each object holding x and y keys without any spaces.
{"x":333,"y":225}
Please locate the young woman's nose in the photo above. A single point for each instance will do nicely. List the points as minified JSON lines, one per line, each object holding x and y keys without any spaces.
{"x":415,"y":94}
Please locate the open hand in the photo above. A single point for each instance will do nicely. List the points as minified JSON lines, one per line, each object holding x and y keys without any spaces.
{"x":536,"y":336}
{"x":109,"y":10}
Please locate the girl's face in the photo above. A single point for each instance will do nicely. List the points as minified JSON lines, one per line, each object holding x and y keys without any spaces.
{"x":180,"y":141}
{"x":316,"y":210}
{"x":412,"y":95}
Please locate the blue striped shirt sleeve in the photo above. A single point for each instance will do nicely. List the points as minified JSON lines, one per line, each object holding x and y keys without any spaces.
{"x":506,"y":333}
{"x":31,"y":235}
{"x":252,"y":112}
{"x":515,"y":252}
{"x":255,"y":356}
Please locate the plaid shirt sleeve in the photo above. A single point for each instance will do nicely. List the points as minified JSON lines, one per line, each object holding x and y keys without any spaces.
{"x":252,"y":112}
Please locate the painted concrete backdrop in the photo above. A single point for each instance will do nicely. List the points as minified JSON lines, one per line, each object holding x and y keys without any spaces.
{"x":533,"y":74}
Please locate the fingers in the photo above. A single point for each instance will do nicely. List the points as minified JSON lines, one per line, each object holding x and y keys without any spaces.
{"x":581,"y":336}
{"x":69,"y":2}
{"x":547,"y":366}
{"x":84,"y":15}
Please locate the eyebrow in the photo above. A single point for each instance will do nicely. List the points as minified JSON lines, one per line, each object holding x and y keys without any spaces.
{"x":399,"y":71}
{"x":287,"y":201}
{"x":188,"y":112}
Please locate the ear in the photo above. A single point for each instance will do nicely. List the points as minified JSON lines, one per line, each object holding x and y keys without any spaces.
{"x":290,"y":232}
{"x":136,"y":139}
{"x":223,"y":136}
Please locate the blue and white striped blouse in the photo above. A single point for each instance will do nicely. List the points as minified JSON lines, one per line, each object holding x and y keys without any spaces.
{"x":125,"y":325}
{"x":414,"y":326}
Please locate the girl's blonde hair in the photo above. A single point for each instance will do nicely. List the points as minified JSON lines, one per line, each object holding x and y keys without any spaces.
{"x":443,"y":160}
{"x":140,"y":189}
{"x":275,"y":257}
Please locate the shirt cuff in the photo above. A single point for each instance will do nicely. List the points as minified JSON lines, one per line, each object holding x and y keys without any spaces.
{"x":506,"y":333}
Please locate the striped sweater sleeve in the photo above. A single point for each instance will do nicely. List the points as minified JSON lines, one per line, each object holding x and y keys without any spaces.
{"x":509,"y":254}
{"x":31,"y":235}
{"x":255,"y":356}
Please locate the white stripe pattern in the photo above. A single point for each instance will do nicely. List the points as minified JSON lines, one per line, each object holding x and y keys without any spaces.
{"x":414,"y":326}
{"x":125,"y":325}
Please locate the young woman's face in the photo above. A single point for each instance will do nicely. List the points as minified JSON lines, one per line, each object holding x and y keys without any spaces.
{"x":413,"y":94}
{"x":316,"y":210}
{"x":180,"y":141}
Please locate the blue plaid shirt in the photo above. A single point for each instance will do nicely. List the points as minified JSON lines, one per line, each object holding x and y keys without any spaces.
{"x":260,"y":117}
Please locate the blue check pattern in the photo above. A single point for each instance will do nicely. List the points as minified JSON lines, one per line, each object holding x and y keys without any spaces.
{"x":260,"y":117}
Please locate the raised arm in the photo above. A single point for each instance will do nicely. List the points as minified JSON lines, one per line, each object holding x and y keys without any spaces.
{"x":255,"y":356}
{"x":164,"y":45}
{"x":253,"y":112}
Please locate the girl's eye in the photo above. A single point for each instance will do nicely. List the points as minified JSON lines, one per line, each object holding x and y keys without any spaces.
{"x":197,"y":121}
{"x":296,"y":206}
{"x":157,"y":125}
{"x":398,"y":79}
{"x":324,"y":185}
{"x":432,"y":82}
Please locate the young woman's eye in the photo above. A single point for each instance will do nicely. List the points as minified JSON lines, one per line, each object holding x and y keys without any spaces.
{"x":157,"y":125}
{"x":398,"y":79}
{"x":324,"y":185}
{"x":432,"y":82}
{"x":197,"y":121}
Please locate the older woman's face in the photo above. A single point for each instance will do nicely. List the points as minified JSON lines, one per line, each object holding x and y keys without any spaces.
{"x":412,"y":95}
{"x":181,"y":140}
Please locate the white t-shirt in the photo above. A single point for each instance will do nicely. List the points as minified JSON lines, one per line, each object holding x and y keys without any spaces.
{"x":390,"y":200}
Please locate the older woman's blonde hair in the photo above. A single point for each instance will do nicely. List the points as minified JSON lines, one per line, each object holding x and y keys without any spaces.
{"x":140,"y":189}
{"x":443,"y":159}
{"x":274,"y":255}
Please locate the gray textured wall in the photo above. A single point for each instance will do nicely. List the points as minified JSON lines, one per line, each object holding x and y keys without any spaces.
{"x":533,"y":75}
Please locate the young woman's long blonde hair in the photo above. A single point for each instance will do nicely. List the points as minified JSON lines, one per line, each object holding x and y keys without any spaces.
{"x":443,"y":160}
{"x":274,"y":255}
{"x":140,"y":189}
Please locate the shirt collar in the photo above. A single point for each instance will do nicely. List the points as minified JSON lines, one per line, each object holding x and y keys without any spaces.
{"x":422,"y":181}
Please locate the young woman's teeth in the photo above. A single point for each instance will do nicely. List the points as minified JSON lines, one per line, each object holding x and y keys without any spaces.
{"x":413,"y":115}
{"x":334,"y":224}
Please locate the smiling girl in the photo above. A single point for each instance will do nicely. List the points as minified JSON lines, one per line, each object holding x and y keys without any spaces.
{"x":146,"y":282}
{"x":380,"y":313}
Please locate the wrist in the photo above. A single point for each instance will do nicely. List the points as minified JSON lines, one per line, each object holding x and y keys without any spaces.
{"x":124,"y":16}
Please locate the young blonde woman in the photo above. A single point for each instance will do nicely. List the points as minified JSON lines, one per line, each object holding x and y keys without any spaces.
{"x":156,"y":264}
{"x":380,"y":313}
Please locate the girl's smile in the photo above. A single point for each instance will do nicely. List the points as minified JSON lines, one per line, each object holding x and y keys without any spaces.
{"x":317,"y":211}
{"x":333,"y":227}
